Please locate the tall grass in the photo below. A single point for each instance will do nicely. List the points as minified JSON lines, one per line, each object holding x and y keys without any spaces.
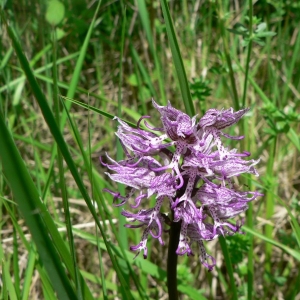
{"x":62,"y":83}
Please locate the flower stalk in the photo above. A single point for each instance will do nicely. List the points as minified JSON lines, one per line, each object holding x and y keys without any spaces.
{"x":174,"y":235}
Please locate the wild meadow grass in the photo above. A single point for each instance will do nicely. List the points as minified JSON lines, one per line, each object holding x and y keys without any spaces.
{"x":67,"y":68}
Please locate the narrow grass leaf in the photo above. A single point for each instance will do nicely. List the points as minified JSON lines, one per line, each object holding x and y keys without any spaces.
{"x":6,"y":58}
{"x":122,"y":230}
{"x":292,"y":252}
{"x":222,"y":18}
{"x":90,"y":170}
{"x":146,"y":24}
{"x":36,"y":72}
{"x":143,"y":70}
{"x":248,"y":52}
{"x":177,"y":59}
{"x":29,"y":273}
{"x":8,"y":280}
{"x":28,"y":201}
{"x":62,"y":183}
{"x":60,"y":141}
{"x":47,"y":287}
{"x":229,"y":267}
{"x":16,"y":268}
{"x":146,"y":266}
{"x":294,"y":138}
{"x":90,"y":204}
{"x":79,"y":64}
{"x":97,"y":110}
{"x":291,"y":69}
{"x":292,"y":135}
{"x":294,"y":222}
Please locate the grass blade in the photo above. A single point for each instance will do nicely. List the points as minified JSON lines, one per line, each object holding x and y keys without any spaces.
{"x":79,"y":63}
{"x":143,"y":71}
{"x":292,"y":252}
{"x":16,"y":264}
{"x":97,"y":195}
{"x":221,"y":15}
{"x":122,"y":230}
{"x":294,"y":222}
{"x":146,"y":24}
{"x":62,"y":182}
{"x":177,"y":59}
{"x":29,"y":273}
{"x":47,"y":288}
{"x":145,"y":266}
{"x":28,"y":201}
{"x":98,"y":111}
{"x":7,"y":281}
{"x":229,"y":267}
{"x":49,"y":118}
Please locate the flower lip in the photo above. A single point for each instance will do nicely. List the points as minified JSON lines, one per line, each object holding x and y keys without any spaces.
{"x":177,"y":124}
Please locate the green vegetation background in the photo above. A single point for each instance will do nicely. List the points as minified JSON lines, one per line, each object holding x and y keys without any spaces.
{"x":66,"y":68}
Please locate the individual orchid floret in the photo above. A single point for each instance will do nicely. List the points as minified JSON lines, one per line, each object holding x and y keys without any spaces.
{"x":204,"y":257}
{"x":141,"y":178}
{"x":177,"y":124}
{"x":153,"y":220}
{"x":214,"y":121}
{"x":190,"y":173}
{"x":220,"y":119}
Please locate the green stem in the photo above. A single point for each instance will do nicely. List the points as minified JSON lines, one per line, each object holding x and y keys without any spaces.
{"x":61,"y":173}
{"x":172,"y":261}
{"x":249,"y":143}
{"x":122,"y":229}
{"x":270,"y":201}
{"x":229,"y":267}
{"x":249,"y":52}
{"x":227,"y":54}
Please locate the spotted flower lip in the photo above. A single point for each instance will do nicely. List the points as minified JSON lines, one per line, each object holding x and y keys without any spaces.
{"x":220,"y":119}
{"x":195,"y":180}
{"x":175,"y":123}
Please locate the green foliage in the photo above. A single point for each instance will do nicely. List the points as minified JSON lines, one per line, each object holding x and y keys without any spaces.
{"x":238,"y":246}
{"x":257,"y":36}
{"x":184,"y":275}
{"x":171,"y":50}
{"x":200,"y":89}
{"x":55,"y":12}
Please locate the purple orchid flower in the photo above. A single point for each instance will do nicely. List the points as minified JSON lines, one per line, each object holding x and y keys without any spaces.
{"x":195,"y":180}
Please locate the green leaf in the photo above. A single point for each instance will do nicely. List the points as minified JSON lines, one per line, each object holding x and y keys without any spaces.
{"x":55,"y":12}
{"x":47,"y":288}
{"x":239,"y":29}
{"x":98,"y":111}
{"x":294,"y":138}
{"x":143,"y":11}
{"x":294,"y":221}
{"x":77,"y":71}
{"x":177,"y":59}
{"x":229,"y":267}
{"x":7,"y":281}
{"x":144,"y":265}
{"x":265,"y":34}
{"x":55,"y":131}
{"x":29,"y":273}
{"x":132,"y":80}
{"x":292,"y":252}
{"x":259,"y":41}
{"x":28,"y":201}
{"x":261,"y":27}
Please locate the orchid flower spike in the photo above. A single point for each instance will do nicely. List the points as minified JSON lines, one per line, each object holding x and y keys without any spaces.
{"x":195,"y":180}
